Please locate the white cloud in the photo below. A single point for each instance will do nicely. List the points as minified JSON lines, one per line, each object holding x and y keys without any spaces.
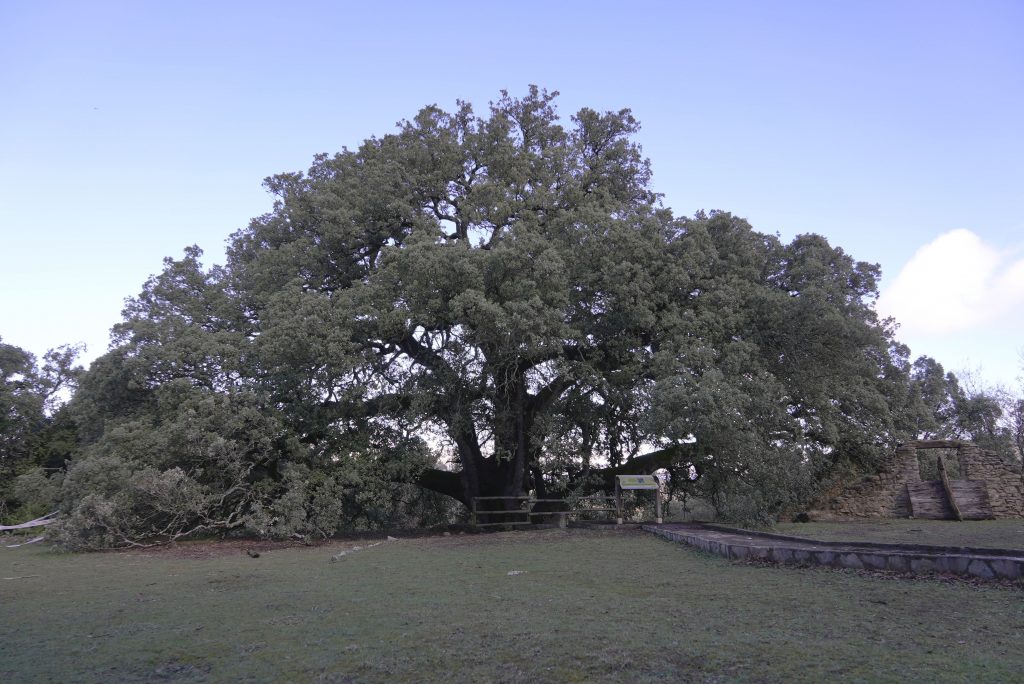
{"x":956,"y":282}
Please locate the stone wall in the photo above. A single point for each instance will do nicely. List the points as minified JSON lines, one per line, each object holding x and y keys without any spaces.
{"x":1002,"y":480}
{"x":904,"y":558}
{"x":884,"y":495}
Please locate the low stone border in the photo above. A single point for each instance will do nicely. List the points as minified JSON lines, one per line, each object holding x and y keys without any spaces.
{"x":884,"y":546}
{"x":749,"y":545}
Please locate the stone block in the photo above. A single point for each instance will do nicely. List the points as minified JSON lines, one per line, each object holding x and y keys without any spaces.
{"x":874,"y":561}
{"x":957,"y":564}
{"x":851,"y":560}
{"x":980,"y":568}
{"x":825,"y":557}
{"x":782,"y":555}
{"x":922,"y":565}
{"x":898,"y":563}
{"x":1007,"y":568}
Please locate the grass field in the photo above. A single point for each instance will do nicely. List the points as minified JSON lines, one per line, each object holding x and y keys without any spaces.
{"x":589,"y":606}
{"x":1000,"y":534}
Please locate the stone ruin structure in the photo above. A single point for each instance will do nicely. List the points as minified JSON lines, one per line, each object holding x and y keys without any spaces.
{"x":985,"y":487}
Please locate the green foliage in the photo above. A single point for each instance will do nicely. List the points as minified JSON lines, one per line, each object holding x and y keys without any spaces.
{"x":34,"y":432}
{"x":484,"y":305}
{"x":781,"y":373}
{"x":963,"y":408}
{"x":205,"y":461}
{"x":1015,"y":416}
{"x":317,"y":503}
{"x":38,"y":491}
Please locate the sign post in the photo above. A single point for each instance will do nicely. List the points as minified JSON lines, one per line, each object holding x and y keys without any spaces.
{"x":637,"y":482}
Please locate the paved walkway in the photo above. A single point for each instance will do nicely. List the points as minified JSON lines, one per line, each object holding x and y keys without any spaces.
{"x":743,"y":544}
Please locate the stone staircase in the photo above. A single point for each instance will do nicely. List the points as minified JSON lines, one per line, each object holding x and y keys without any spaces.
{"x":928,"y":500}
{"x":972,"y":499}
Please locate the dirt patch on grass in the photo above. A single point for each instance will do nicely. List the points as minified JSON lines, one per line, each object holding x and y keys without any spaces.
{"x":533,"y":536}
{"x":207,"y":549}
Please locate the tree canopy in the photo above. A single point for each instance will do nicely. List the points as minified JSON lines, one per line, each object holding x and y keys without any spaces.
{"x":964,"y":409}
{"x":488,"y":305}
{"x":32,"y":433}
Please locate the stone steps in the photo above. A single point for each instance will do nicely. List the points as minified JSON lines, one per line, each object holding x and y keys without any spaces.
{"x":972,"y":499}
{"x":928,"y":500}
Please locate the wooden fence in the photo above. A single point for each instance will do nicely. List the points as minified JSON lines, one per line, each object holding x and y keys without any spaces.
{"x":526,"y":504}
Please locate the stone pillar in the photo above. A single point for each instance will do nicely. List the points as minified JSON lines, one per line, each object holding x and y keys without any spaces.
{"x":971,"y":462}
{"x":907,"y":470}
{"x":906,"y":463}
{"x":1002,"y":480}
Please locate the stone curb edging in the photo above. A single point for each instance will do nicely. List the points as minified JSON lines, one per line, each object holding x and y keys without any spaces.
{"x":919,"y":548}
{"x":985,"y":567}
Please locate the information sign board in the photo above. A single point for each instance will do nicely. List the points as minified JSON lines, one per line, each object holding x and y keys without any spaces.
{"x":637,"y":482}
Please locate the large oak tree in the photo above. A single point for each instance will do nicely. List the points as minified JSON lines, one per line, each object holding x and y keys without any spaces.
{"x":506,"y":293}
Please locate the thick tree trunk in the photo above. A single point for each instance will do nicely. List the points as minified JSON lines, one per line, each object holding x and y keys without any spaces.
{"x":510,"y":462}
{"x":492,"y":481}
{"x":508,"y":472}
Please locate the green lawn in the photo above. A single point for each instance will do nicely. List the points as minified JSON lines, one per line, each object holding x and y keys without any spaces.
{"x":1000,"y":534}
{"x":592,"y":606}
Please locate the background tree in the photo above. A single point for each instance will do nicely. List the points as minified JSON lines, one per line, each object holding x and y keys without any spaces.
{"x":966,"y":408}
{"x":1016,"y":417}
{"x":33,"y":430}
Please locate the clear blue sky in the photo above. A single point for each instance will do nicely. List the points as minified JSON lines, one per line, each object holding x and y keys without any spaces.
{"x":129,"y":130}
